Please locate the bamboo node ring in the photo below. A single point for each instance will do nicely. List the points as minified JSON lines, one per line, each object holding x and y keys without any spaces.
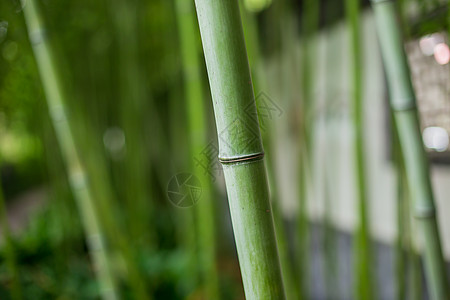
{"x":404,"y":105}
{"x":244,"y":158}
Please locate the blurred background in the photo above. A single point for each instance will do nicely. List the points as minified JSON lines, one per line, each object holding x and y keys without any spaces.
{"x":112,"y":187}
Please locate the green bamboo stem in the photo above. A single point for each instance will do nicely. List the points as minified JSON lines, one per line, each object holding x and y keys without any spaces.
{"x":310,"y":25}
{"x":407,"y":256}
{"x":259,"y":81}
{"x":197,"y":124}
{"x":413,"y":259}
{"x":240,"y":147}
{"x":403,"y":105}
{"x":134,"y":107}
{"x":133,"y":100}
{"x":363,"y":258}
{"x":9,"y":252}
{"x":402,"y":221}
{"x":330,"y":237}
{"x":75,"y":169}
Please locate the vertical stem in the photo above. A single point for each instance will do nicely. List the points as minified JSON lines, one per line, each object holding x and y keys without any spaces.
{"x":310,"y":25}
{"x":402,"y":220}
{"x":190,"y":50}
{"x":132,"y":96}
{"x":403,"y":105}
{"x":259,"y":82}
{"x":330,"y":246}
{"x":240,"y":147}
{"x":363,"y":257}
{"x":76,"y":172}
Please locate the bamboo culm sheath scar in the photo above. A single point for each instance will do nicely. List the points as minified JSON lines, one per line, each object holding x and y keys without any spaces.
{"x":240,"y":147}
{"x":76,"y":173}
{"x":403,"y":105}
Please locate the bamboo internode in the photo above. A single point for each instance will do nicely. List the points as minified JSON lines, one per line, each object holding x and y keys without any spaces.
{"x":76,"y":173}
{"x":403,"y":105}
{"x":239,"y":138}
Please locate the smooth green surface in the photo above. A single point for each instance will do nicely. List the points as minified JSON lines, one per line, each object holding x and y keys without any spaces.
{"x":229,"y":78}
{"x":239,"y":137}
{"x":416,"y":165}
{"x":251,"y":215}
{"x":76,"y":173}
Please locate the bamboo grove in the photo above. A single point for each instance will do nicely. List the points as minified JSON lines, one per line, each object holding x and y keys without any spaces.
{"x":232,"y":149}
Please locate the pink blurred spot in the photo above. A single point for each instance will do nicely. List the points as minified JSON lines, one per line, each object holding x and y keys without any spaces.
{"x":442,"y":53}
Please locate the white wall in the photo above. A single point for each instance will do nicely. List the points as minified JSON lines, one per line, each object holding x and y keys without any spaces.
{"x":333,"y":147}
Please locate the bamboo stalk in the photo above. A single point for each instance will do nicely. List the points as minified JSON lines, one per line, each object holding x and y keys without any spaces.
{"x":259,"y":81}
{"x":76,"y":171}
{"x":240,"y":147}
{"x":402,"y":219}
{"x":330,"y":250}
{"x":310,"y":25}
{"x":132,"y":96}
{"x":197,"y":124}
{"x":403,"y":105}
{"x":363,"y":257}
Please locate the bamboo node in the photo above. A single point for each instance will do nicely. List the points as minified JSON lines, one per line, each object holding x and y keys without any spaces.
{"x":379,"y":1}
{"x":403,"y":105}
{"x":244,"y":158}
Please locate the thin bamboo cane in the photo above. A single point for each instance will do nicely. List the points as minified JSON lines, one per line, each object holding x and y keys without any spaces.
{"x":76,"y":172}
{"x":197,"y":124}
{"x":330,"y":247}
{"x":403,"y":105}
{"x":363,"y":257}
{"x":259,"y":82}
{"x":240,"y":147}
{"x":402,"y":220}
{"x":310,"y":25}
{"x":9,"y":252}
{"x":132,"y":96}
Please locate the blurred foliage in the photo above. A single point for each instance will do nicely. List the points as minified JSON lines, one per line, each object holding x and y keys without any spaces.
{"x":51,"y":251}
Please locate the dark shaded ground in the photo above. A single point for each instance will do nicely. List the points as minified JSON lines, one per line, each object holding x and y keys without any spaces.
{"x":22,"y":208}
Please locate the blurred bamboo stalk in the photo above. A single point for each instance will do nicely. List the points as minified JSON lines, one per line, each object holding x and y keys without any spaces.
{"x":310,"y":26}
{"x":408,"y":264}
{"x":240,"y":147}
{"x":364,"y":286}
{"x":76,"y":172}
{"x":135,"y":107}
{"x":330,"y":246}
{"x":197,"y":124}
{"x":250,"y":27}
{"x":403,"y":105}
{"x":133,"y":110}
{"x":402,"y":220}
{"x":9,"y":251}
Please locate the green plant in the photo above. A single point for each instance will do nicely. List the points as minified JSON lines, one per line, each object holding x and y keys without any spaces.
{"x":197,"y":124}
{"x":363,"y":257}
{"x":240,"y":147}
{"x":76,"y":171}
{"x":403,"y":106}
